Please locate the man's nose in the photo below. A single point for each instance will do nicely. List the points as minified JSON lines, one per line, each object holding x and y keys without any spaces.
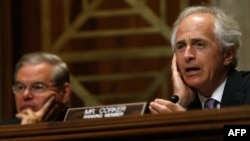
{"x":189,"y":53}
{"x":27,"y":93}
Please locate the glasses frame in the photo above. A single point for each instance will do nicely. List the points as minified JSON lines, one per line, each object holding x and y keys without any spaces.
{"x":34,"y":88}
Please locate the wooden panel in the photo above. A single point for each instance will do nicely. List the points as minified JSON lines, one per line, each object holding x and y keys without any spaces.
{"x":102,"y":40}
{"x":189,"y":126}
{"x":6,"y":60}
{"x":117,"y":50}
{"x":113,"y":46}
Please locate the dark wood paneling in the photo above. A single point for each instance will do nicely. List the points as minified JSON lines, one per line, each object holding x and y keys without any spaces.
{"x":6,"y":51}
{"x":22,"y":31}
{"x":188,"y":126}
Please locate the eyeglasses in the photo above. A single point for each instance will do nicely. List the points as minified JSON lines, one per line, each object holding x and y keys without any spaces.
{"x":35,"y":88}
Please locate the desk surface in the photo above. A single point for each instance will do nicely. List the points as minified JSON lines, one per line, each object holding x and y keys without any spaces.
{"x":194,"y":125}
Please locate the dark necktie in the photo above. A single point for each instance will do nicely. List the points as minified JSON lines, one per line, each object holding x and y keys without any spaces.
{"x":210,"y":104}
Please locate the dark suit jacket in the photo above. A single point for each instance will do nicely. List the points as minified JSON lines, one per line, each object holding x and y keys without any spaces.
{"x":236,"y":91}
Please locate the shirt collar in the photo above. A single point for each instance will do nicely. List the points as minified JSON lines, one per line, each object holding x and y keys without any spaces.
{"x":217,"y":94}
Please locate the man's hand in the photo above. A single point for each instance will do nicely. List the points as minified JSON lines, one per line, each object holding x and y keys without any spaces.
{"x":186,"y":94}
{"x":164,"y":106}
{"x":28,"y":116}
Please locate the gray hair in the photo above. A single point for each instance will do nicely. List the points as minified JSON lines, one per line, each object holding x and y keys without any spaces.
{"x":60,"y":71}
{"x":226,"y":29}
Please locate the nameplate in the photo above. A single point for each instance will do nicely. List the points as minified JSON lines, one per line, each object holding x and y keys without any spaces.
{"x":106,"y":111}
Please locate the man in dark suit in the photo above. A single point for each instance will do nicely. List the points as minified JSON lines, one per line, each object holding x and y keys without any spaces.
{"x":205,"y":42}
{"x":41,"y":89}
{"x":236,"y":91}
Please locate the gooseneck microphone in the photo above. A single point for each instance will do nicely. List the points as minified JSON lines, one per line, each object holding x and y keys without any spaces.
{"x":174,"y":98}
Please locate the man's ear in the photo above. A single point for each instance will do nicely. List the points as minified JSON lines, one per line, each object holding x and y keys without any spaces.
{"x":229,"y":55}
{"x":66,"y":93}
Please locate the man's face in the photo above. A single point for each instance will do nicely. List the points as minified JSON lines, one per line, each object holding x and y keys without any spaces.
{"x":199,"y":57}
{"x":32,"y":77}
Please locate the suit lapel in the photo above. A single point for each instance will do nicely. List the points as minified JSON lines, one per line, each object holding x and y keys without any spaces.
{"x":232,"y":94}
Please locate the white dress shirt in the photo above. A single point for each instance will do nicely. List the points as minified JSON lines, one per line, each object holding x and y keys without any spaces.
{"x":217,"y":95}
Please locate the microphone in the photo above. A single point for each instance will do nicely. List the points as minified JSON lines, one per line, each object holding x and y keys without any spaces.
{"x":174,"y":98}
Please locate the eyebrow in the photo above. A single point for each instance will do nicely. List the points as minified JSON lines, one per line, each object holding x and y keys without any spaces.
{"x":199,"y":39}
{"x":192,"y":40}
{"x":180,"y":42}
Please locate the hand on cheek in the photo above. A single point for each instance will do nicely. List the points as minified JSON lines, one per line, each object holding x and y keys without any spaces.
{"x":185,"y":93}
{"x":28,"y":116}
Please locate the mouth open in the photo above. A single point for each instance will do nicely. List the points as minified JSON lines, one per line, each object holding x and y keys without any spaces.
{"x":192,"y":69}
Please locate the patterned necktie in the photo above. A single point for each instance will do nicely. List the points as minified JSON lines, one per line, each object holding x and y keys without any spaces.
{"x":210,"y":104}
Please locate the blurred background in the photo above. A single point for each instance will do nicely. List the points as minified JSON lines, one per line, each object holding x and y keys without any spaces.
{"x":118,"y":51}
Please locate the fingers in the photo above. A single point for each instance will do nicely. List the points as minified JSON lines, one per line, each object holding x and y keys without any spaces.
{"x":50,"y":112}
{"x":178,"y":84}
{"x":47,"y":104}
{"x":183,"y":91}
{"x":45,"y":108}
{"x":24,"y":113}
{"x":28,"y":116}
{"x":174,"y":64}
{"x":164,"y":106}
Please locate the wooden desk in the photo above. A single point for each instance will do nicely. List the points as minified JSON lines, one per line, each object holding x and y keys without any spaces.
{"x":187,"y":126}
